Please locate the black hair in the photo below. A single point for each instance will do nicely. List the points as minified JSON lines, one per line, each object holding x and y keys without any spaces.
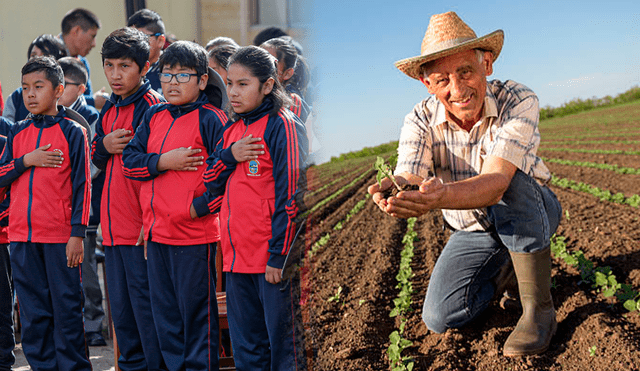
{"x":79,"y":16}
{"x":220,"y":41}
{"x":147,"y":18}
{"x":268,"y":34}
{"x":129,"y":43}
{"x":287,"y":54}
{"x":263,"y":66}
{"x":48,"y":65}
{"x":222,"y":53}
{"x":186,"y":54}
{"x":74,"y":68}
{"x":50,"y":45}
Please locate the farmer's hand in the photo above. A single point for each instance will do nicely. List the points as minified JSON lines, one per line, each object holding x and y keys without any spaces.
{"x":182,"y":159}
{"x":408,"y":204}
{"x":75,"y":252}
{"x":272,"y":275}
{"x":245,"y":150}
{"x":377,"y":191}
{"x":40,"y":157}
{"x":115,"y":141}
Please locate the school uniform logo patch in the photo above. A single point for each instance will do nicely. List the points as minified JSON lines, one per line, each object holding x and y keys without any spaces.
{"x":254,"y":168}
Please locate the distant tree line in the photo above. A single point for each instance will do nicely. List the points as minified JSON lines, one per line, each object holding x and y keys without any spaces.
{"x":367,"y":151}
{"x":580,"y":105}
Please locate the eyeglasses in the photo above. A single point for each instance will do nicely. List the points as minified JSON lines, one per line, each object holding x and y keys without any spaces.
{"x":154,"y":34}
{"x":180,"y":77}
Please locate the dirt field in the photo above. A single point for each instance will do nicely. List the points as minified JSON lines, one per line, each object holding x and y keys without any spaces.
{"x":594,"y":333}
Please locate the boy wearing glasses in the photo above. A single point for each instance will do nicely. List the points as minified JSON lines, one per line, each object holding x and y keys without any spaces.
{"x":167,"y":154}
{"x":125,"y":60}
{"x":151,"y":24}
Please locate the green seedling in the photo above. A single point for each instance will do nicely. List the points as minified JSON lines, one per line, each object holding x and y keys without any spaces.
{"x":384,"y":171}
{"x":361,"y":301}
{"x":336,"y":297}
{"x":592,"y":351}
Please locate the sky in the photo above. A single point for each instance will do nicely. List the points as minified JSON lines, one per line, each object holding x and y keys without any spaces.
{"x":562,"y":50}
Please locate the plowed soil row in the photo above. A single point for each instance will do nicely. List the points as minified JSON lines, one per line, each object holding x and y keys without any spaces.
{"x":620,"y":160}
{"x":628,"y":184}
{"x":352,"y":333}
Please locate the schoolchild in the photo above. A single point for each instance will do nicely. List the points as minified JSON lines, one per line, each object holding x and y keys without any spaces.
{"x":167,"y":154}
{"x":219,"y":59}
{"x":79,"y":29}
{"x":125,"y":58}
{"x":43,"y":45}
{"x":75,"y":78}
{"x":46,"y":162}
{"x":292,"y":73}
{"x":220,"y":41}
{"x":151,"y":24}
{"x":7,"y":338}
{"x":256,"y":175}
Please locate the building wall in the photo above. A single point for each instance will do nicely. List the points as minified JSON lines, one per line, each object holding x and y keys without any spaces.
{"x":21,"y":21}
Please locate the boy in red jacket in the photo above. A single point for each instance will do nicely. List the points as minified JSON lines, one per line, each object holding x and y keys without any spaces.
{"x":46,"y":162}
{"x":125,"y":58}
{"x":167,"y":153}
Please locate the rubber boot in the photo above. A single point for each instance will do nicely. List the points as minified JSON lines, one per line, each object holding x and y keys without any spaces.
{"x":507,"y":287}
{"x":537,"y":325}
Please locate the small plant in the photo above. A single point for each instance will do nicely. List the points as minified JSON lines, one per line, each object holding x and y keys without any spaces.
{"x":336,"y":297}
{"x":384,"y":171}
{"x":397,"y":361}
{"x":592,"y":351}
{"x":566,"y":214}
{"x":361,"y":301}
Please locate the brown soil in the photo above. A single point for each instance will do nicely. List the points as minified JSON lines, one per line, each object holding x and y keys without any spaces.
{"x":352,"y":333}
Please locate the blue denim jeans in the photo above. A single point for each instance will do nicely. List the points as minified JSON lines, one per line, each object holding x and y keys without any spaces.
{"x":461,"y":285}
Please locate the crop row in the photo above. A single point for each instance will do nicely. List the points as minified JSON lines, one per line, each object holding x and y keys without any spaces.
{"x":322,"y":241}
{"x":594,"y":165}
{"x":600,"y":278}
{"x":592,"y":151}
{"x":616,"y":133}
{"x":582,"y":142}
{"x":397,"y":361}
{"x":336,"y":180}
{"x":335,"y":194}
{"x":603,"y":195}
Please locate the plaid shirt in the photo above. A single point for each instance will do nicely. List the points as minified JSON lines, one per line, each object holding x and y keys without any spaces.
{"x":508,"y":129}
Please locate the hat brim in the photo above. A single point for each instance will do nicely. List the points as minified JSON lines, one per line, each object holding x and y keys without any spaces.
{"x":491,"y":42}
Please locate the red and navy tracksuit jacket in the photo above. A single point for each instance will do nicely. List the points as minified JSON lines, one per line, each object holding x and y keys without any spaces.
{"x":167,"y":196}
{"x":4,"y":205}
{"x":120,"y":212}
{"x":257,"y":199}
{"x":49,"y":204}
{"x":299,"y":107}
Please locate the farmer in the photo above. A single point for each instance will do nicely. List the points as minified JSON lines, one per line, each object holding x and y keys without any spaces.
{"x":480,"y":139}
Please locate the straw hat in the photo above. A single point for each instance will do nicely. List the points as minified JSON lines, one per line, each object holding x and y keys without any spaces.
{"x":447,"y":34}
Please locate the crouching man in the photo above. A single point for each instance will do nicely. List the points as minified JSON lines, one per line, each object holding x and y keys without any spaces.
{"x":480,"y":139}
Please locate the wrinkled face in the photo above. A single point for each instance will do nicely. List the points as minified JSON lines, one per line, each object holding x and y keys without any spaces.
{"x":459,"y":81}
{"x":124,"y":75}
{"x":72,"y":90}
{"x":82,"y":41}
{"x":39,"y":95}
{"x":179,"y":93}
{"x":244,"y":89}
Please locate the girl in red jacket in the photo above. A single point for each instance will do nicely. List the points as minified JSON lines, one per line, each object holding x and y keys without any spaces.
{"x":255,"y":174}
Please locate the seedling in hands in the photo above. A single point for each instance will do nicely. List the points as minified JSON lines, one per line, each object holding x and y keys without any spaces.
{"x":384,"y":171}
